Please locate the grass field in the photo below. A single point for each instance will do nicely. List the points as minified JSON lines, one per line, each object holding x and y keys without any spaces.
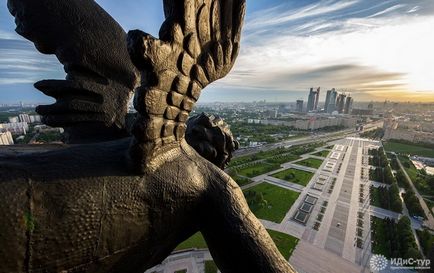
{"x":409,"y":167}
{"x":294,"y":176}
{"x":408,"y":149}
{"x":278,"y":155}
{"x":257,"y":169}
{"x":284,"y":242}
{"x":195,"y":241}
{"x":274,"y":202}
{"x":323,"y":153}
{"x":280,"y":159}
{"x":310,"y":162}
{"x":210,"y":267}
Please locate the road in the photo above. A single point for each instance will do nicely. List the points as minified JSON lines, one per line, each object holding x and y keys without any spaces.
{"x":300,"y":141}
{"x":430,"y":221}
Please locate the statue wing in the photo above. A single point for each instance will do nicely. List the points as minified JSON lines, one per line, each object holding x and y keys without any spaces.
{"x":93,"y":50}
{"x":199,"y":42}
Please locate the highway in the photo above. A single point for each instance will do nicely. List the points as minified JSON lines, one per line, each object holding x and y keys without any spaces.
{"x":325,"y":137}
{"x":299,"y":141}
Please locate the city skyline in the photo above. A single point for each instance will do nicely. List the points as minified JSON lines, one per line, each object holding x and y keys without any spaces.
{"x":377,"y":51}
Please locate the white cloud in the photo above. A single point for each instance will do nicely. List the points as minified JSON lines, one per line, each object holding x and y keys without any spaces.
{"x":398,"y":48}
{"x":274,"y":16}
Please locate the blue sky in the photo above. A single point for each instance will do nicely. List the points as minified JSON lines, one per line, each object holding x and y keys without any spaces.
{"x":369,"y":48}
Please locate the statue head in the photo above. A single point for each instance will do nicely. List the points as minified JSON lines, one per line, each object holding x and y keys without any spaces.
{"x":92,"y":102}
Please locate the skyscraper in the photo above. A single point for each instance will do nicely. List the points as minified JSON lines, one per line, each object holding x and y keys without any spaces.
{"x":330,"y":103}
{"x":340,"y":103}
{"x":312,"y":101}
{"x":317,"y":98}
{"x":299,"y":106}
{"x":348,"y":105}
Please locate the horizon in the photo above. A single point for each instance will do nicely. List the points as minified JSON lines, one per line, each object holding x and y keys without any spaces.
{"x":363,"y":47}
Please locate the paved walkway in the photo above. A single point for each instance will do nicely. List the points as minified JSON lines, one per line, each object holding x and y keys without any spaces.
{"x":308,"y":258}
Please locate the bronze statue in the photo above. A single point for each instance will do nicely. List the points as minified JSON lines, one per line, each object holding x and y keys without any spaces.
{"x":124,"y":205}
{"x":212,"y":138}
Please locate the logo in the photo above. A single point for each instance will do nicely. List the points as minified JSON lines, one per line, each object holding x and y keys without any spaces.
{"x":378,"y":262}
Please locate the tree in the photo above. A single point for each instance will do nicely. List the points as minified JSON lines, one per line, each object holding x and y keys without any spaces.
{"x":395,"y":200}
{"x":412,"y":253}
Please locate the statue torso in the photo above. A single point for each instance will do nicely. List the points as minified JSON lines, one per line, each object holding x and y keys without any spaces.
{"x":80,"y":209}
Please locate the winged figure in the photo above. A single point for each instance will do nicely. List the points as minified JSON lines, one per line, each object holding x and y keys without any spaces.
{"x":124,"y":205}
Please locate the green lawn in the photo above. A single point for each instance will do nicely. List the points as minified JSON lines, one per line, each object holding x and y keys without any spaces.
{"x":408,"y":149}
{"x":323,"y":153}
{"x":278,"y":155}
{"x":294,"y":176}
{"x":257,"y":169}
{"x":409,"y":167}
{"x":210,"y":267}
{"x":195,"y":241}
{"x":270,"y":202}
{"x":284,"y":242}
{"x":310,"y":162}
{"x":280,"y":159}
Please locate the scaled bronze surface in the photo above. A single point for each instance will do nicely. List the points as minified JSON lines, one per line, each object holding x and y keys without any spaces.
{"x":124,"y":205}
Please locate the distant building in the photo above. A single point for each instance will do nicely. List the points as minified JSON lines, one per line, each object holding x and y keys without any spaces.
{"x":299,"y":106}
{"x":348,"y":105}
{"x":6,"y":138}
{"x":13,"y":119}
{"x":45,"y":128}
{"x":24,"y":118}
{"x":408,"y":131}
{"x":16,"y":128}
{"x":312,"y":101}
{"x":317,"y":98}
{"x":330,"y":102}
{"x":35,"y":119}
{"x":340,"y":103}
{"x":362,"y":112}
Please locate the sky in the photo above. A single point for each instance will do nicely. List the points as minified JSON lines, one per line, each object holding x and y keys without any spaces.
{"x":373,"y":50}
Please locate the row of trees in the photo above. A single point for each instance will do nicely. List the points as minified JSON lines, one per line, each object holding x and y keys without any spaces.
{"x":410,"y":198}
{"x":386,"y":198}
{"x":426,"y":240}
{"x":378,"y":158}
{"x":383,"y":175}
{"x":394,"y":240}
{"x":394,"y":162}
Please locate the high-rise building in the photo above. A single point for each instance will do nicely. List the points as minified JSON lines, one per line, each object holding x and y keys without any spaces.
{"x":312,"y":101}
{"x":6,"y":138}
{"x":330,"y":102}
{"x":317,"y":98}
{"x":24,"y":118}
{"x":340,"y":103}
{"x":299,"y":106}
{"x":348,"y":105}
